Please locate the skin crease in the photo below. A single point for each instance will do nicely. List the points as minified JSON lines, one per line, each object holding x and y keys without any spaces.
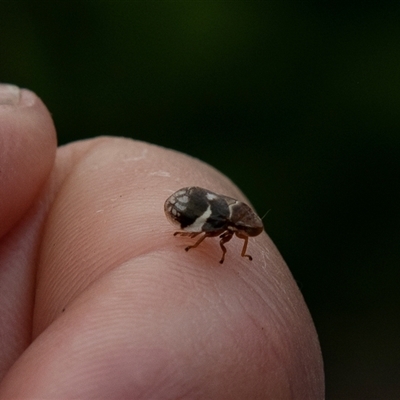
{"x":99,"y":300}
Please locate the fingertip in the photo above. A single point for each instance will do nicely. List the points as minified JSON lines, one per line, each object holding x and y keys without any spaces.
{"x":27,"y":147}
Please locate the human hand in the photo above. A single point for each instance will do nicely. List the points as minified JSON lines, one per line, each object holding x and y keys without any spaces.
{"x":99,"y":300}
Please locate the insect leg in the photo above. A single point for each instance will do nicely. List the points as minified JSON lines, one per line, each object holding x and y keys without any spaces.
{"x":190,"y":234}
{"x":193,"y":234}
{"x":246,"y":239}
{"x":225,"y":237}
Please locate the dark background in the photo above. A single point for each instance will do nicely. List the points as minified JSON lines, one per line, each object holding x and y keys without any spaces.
{"x":299,"y":104}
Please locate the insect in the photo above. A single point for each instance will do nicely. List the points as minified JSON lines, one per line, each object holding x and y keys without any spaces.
{"x":200,"y":211}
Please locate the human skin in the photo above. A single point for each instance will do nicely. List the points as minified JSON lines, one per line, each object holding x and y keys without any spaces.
{"x":98,"y":299}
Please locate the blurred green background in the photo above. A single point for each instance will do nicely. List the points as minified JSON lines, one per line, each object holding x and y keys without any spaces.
{"x":298,"y":103}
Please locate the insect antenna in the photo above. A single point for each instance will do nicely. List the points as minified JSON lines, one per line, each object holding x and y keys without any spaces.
{"x":265,"y":214}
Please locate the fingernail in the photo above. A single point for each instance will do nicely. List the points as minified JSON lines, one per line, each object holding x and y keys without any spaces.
{"x":9,"y":94}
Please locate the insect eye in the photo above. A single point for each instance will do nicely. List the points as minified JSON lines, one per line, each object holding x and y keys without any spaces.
{"x":251,"y":230}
